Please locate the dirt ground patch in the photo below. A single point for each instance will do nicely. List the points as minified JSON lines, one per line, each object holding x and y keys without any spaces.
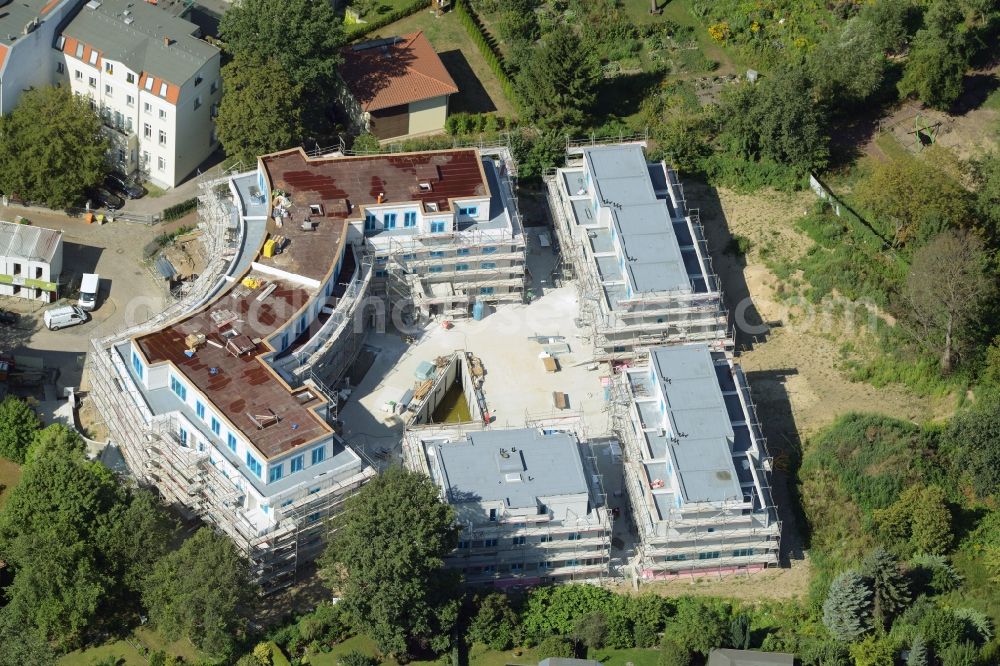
{"x":796,"y":358}
{"x":786,"y":583}
{"x":970,"y":130}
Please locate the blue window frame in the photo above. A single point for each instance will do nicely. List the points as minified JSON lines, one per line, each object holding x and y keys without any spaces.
{"x":437,"y":227}
{"x":275,"y":472}
{"x":231,"y":442}
{"x":284,"y":341}
{"x":318,"y":455}
{"x":253,"y":464}
{"x":461,"y":267}
{"x":675,"y":558}
{"x":488,"y":264}
{"x":409,"y":257}
{"x":743,"y":552}
{"x":178,"y":388}
{"x":410,"y":218}
{"x":709,"y":556}
{"x":287,"y":502}
{"x":183,"y":435}
{"x":470,"y":211}
{"x":137,"y":365}
{"x":436,"y":254}
{"x":313,"y":517}
{"x":297,"y":464}
{"x":435,"y":269}
{"x":486,"y":291}
{"x":199,"y":409}
{"x":369,"y":222}
{"x":490,"y":250}
{"x":389,"y":221}
{"x":462,"y":251}
{"x":381,"y":260}
{"x":381,"y":273}
{"x":216,"y":426}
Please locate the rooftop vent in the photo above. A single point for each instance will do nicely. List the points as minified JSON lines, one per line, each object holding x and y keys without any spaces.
{"x":513,"y":477}
{"x":94,"y":4}
{"x":426,"y":187}
{"x":129,"y":20}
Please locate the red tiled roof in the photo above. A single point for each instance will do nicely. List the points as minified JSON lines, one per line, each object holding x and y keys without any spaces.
{"x":382,"y":74}
{"x":3,"y":55}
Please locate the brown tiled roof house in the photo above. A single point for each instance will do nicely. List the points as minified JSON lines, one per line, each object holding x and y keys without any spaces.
{"x":397,"y":86}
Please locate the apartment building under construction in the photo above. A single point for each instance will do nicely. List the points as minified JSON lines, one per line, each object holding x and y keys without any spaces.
{"x":222,"y":400}
{"x":530,"y":502}
{"x":697,"y":469}
{"x":637,"y":252}
{"x":440,"y":259}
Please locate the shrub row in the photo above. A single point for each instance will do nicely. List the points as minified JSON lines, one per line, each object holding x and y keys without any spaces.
{"x":178,"y":211}
{"x":363,"y":29}
{"x":485,"y":45}
{"x":476,"y":123}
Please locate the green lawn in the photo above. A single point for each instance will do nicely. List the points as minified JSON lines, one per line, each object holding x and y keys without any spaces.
{"x":123,"y":650}
{"x":638,"y":657}
{"x":479,"y":90}
{"x":10,"y":475}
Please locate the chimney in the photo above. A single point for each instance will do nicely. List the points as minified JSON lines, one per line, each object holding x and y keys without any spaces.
{"x":166,"y":41}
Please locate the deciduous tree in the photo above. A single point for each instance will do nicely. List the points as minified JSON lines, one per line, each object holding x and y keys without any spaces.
{"x":847,"y":611}
{"x":972,"y":441}
{"x":945,"y":290}
{"x":18,"y":424}
{"x":51,"y":147}
{"x":699,"y":626}
{"x":202,"y":591}
{"x":386,"y":563}
{"x":494,"y":623}
{"x":938,"y":58}
{"x":261,"y":110}
{"x":777,"y":119}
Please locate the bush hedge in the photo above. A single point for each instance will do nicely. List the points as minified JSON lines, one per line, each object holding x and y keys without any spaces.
{"x":177,"y":211}
{"x":486,"y":46}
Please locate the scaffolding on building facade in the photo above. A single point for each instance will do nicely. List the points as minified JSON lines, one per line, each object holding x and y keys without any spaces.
{"x":582,"y":559}
{"x":154,"y":450}
{"x":692,"y":541}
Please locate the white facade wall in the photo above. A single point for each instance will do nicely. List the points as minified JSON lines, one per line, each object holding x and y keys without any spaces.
{"x":164,"y":140}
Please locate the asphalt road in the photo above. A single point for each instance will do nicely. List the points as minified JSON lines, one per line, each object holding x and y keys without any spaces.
{"x":129,"y":291}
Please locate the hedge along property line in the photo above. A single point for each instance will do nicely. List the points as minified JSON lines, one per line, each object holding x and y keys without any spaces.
{"x":178,"y":211}
{"x":490,"y":53}
{"x":384,"y":20}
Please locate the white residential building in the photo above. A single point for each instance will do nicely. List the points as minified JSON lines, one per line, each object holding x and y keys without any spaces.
{"x":30,"y":262}
{"x":529,"y":501}
{"x":637,"y":251}
{"x":28,"y":29}
{"x":697,"y":469}
{"x":155,"y":81}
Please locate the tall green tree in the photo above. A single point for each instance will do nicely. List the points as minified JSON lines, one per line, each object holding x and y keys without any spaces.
{"x":20,"y":647}
{"x":18,"y":425}
{"x":847,"y":611}
{"x":495,"y":622}
{"x":202,"y":591}
{"x":386,"y":563}
{"x":699,"y":626}
{"x":776,"y":119}
{"x":304,"y":36}
{"x":558,"y":80}
{"x":938,"y":57}
{"x":972,"y":442}
{"x":260,"y":112}
{"x":889,"y":585}
{"x":52,"y":147}
{"x":49,"y":535}
{"x":56,"y":439}
{"x":918,"y":652}
{"x":945,"y":292}
{"x":918,"y":522}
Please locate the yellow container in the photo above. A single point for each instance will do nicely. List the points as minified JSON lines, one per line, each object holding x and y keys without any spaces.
{"x":269,"y":248}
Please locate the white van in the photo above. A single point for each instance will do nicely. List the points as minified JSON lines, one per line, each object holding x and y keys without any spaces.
{"x":89,"y":286}
{"x":63,"y":316}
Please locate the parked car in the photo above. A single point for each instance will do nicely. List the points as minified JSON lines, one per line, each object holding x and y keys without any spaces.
{"x":63,"y":316}
{"x":8,"y":318}
{"x":101,"y":197}
{"x":123,"y":186}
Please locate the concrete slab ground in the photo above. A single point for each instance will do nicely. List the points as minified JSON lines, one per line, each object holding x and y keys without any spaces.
{"x":516,"y":386}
